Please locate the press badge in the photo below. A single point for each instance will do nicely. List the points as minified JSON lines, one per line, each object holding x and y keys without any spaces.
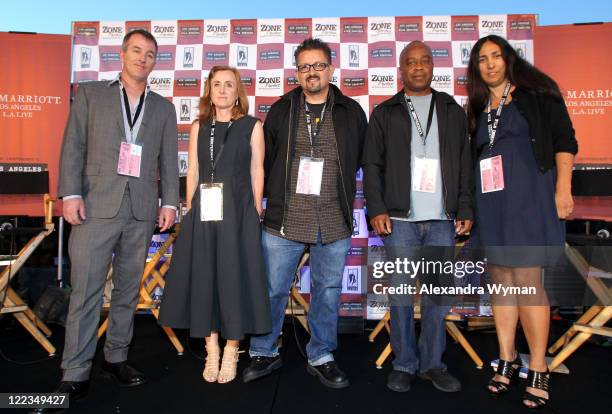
{"x":129,"y":159}
{"x":424,"y":175}
{"x":310,"y":175}
{"x":491,"y":174}
{"x":211,"y":202}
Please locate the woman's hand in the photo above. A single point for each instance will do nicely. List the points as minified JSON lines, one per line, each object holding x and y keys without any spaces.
{"x":565,"y":203}
{"x":563,"y":190}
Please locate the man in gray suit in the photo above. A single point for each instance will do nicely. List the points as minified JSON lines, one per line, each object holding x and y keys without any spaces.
{"x":119,"y":139}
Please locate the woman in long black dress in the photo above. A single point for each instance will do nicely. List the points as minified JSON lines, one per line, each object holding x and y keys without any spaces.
{"x":216,"y":282}
{"x":523,"y":145}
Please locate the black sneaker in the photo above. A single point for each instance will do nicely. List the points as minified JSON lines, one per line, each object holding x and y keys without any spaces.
{"x":399,"y":381}
{"x":441,"y":379}
{"x":260,"y":367}
{"x":329,"y":374}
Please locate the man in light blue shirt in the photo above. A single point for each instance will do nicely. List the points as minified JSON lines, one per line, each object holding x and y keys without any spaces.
{"x":418,"y":179}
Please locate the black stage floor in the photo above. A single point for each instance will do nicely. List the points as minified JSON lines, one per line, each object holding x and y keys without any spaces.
{"x":176,"y":385}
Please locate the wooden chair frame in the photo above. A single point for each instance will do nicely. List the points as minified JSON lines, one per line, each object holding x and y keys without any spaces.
{"x":13,"y":304}
{"x":593,"y":321}
{"x":151,"y":279}
{"x":451,"y":328}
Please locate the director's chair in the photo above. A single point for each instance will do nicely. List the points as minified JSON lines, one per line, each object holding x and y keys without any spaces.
{"x":13,"y":304}
{"x":152,"y":277}
{"x":593,"y":321}
{"x":451,"y":328}
{"x":298,"y":307}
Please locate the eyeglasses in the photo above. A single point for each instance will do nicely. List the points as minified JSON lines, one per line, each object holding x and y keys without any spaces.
{"x":319,"y":66}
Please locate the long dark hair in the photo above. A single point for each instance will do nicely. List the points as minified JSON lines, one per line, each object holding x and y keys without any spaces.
{"x":521,"y":73}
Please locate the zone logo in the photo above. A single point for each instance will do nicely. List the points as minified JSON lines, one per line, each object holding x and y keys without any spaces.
{"x":161,"y":81}
{"x":320,"y":27}
{"x":382,"y":78}
{"x":112,"y":30}
{"x":216,"y":29}
{"x":441,"y":78}
{"x":436,"y":25}
{"x":163,"y":29}
{"x":156,"y":244}
{"x":492,"y":24}
{"x":270,"y":27}
{"x":269,"y":81}
{"x":380,"y":26}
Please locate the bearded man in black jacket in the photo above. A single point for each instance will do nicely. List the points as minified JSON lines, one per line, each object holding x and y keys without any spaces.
{"x":314,"y":136}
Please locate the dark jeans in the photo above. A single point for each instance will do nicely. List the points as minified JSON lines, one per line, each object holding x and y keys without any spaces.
{"x":408,"y":240}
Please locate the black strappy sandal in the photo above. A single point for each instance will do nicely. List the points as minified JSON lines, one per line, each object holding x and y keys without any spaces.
{"x":507,"y":369}
{"x":540,"y":381}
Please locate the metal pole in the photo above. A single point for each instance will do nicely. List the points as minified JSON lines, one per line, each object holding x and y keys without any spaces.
{"x":60,"y":252}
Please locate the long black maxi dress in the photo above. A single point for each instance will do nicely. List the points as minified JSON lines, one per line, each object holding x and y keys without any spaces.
{"x":216,"y":281}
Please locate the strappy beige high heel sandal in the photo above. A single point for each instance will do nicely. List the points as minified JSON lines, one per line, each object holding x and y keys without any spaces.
{"x":211,"y":367}
{"x":228,"y":364}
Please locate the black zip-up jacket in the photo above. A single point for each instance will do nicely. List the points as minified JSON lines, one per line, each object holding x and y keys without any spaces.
{"x":550,"y":127}
{"x":386,"y":158}
{"x":350,"y":125}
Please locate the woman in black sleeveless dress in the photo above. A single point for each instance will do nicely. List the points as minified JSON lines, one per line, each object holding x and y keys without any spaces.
{"x":216,"y":282}
{"x":523,"y":146}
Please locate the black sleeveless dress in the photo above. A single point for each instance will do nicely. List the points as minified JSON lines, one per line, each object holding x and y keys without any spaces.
{"x":216,"y":280}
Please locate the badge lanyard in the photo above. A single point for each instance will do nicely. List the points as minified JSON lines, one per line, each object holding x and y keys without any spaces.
{"x":214,"y":160}
{"x":132,"y":122}
{"x":417,"y":123}
{"x":313,"y":135}
{"x":493,"y":123}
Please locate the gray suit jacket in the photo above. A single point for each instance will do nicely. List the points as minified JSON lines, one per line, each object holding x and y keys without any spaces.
{"x":90,"y":153}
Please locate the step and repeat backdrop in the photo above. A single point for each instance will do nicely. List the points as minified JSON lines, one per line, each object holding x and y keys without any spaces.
{"x":365,"y":54}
